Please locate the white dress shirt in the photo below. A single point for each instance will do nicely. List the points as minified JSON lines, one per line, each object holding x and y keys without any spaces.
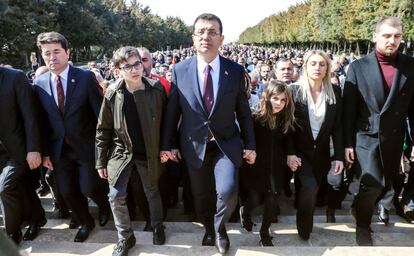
{"x":215,"y":75}
{"x":316,"y":112}
{"x":63,"y":79}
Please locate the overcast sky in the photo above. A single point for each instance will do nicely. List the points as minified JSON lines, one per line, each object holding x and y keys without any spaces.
{"x":236,"y":15}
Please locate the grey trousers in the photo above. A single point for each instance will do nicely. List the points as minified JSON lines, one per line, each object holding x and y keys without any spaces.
{"x":118,"y":193}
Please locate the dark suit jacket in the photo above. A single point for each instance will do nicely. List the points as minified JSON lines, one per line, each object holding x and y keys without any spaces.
{"x":83,"y":100}
{"x":185,"y":100}
{"x":19,"y":127}
{"x":315,"y":154}
{"x":374,"y":123}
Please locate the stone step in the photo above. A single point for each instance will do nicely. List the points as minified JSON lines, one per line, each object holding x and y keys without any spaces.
{"x":334,"y":235}
{"x":286,"y":224}
{"x":93,"y":249}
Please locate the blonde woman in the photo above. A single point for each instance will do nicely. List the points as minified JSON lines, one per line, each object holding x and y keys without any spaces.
{"x":318,"y":118}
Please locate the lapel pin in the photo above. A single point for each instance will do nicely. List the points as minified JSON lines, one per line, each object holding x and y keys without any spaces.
{"x":226,"y":73}
{"x":73,"y":80}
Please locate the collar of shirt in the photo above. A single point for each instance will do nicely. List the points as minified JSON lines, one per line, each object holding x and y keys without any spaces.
{"x":63,"y":75}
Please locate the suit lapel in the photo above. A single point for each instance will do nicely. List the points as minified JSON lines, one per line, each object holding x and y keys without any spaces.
{"x":374,"y":90}
{"x":328,"y":116}
{"x":397,"y":84}
{"x":70,"y":87}
{"x":46,"y":84}
{"x":223,"y":81}
{"x":194,"y":83}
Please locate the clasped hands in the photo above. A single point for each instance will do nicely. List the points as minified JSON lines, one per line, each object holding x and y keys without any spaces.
{"x":175,"y":155}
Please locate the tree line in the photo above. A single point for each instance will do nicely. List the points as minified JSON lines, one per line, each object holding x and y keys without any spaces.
{"x":336,"y":25}
{"x":93,"y":27}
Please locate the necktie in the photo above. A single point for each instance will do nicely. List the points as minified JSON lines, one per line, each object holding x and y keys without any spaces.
{"x":208,"y":95}
{"x":60,"y":94}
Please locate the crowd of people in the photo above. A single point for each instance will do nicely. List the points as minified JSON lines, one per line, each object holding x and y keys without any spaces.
{"x":232,"y":124}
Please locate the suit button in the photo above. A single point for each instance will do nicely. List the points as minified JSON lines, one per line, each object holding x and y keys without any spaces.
{"x":394,"y":130}
{"x":397,"y":113}
{"x":403,"y":94}
{"x":314,"y":146}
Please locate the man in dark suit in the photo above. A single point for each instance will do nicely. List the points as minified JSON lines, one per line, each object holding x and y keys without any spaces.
{"x":378,"y":96}
{"x":71,"y":100}
{"x":19,"y":150}
{"x":208,"y":93}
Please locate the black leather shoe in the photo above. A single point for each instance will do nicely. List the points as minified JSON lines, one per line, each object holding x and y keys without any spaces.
{"x":16,"y":237}
{"x":158,"y":235}
{"x":148,"y":227}
{"x":84,"y":232}
{"x":383,"y":214}
{"x":330,"y":215}
{"x":245,"y":220}
{"x":208,"y":239}
{"x":73,"y":223}
{"x":33,"y":230}
{"x":222,"y":242}
{"x":363,"y":236}
{"x":122,"y":247}
{"x":266,"y":240}
{"x":103,"y":217}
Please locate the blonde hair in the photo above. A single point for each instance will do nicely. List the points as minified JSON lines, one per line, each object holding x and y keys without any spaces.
{"x":285,"y":119}
{"x":327,"y":88}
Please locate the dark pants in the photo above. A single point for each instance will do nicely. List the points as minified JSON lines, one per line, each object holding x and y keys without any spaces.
{"x":269,"y":210}
{"x":306,"y":202}
{"x":214,"y":186}
{"x":76,"y":180}
{"x":19,"y":201}
{"x":118,"y":193}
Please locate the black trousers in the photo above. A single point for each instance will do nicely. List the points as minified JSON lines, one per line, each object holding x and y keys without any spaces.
{"x":77,"y":180}
{"x":306,"y":199}
{"x":19,"y":201}
{"x":270,"y":203}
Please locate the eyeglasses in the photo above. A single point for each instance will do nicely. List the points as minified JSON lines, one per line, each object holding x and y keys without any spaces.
{"x":128,"y":68}
{"x":210,"y":32}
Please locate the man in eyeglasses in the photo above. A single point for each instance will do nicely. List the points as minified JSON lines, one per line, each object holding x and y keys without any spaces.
{"x":208,"y":96}
{"x":70,"y":99}
{"x":127,"y":142}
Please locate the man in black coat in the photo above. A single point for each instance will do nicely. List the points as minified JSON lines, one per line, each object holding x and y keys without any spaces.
{"x":378,"y":96}
{"x":20,"y":150}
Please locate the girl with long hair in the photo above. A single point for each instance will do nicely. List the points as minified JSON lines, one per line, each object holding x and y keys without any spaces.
{"x":272,"y":121}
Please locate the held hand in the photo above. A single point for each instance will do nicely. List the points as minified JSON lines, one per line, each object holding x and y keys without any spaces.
{"x":176,"y":155}
{"x":47,"y":163}
{"x":249,"y":156}
{"x":294,"y":162}
{"x":34,"y":160}
{"x":165,"y":155}
{"x":339,"y":166}
{"x":349,"y":155}
{"x":103,"y":173}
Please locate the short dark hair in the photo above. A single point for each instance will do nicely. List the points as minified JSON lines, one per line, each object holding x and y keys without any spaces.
{"x":123,"y":54}
{"x":389,"y":20}
{"x":52,"y":38}
{"x":283,"y":60}
{"x":210,"y":17}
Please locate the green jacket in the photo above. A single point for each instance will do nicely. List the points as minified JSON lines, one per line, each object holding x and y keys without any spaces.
{"x":113,"y":143}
